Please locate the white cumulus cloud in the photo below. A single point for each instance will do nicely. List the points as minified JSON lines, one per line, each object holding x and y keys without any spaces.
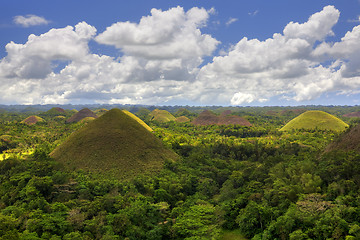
{"x":289,"y":64}
{"x":30,"y":20}
{"x":161,"y":57}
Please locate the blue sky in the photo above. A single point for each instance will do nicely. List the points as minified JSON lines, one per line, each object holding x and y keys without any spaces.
{"x":180,"y":52}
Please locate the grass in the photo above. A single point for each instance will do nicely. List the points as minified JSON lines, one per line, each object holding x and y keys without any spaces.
{"x":316,"y":120}
{"x":114,"y":143}
{"x":161,"y":116}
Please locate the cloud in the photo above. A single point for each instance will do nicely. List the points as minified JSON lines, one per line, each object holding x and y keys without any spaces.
{"x":163,"y":35}
{"x":287,"y":65}
{"x":231,"y":21}
{"x":254,"y":13}
{"x":157,"y":65}
{"x":161,"y":59}
{"x":33,"y":59}
{"x":30,"y":20}
{"x":354,"y":20}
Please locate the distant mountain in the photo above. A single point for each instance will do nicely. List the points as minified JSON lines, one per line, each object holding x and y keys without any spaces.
{"x":114,"y":143}
{"x":83,"y":113}
{"x":311,"y":120}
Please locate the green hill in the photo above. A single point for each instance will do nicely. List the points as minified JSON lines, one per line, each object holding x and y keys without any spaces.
{"x":315,"y":120}
{"x":182,"y":119}
{"x":161,"y":116}
{"x":55,"y":111}
{"x":115,"y":143}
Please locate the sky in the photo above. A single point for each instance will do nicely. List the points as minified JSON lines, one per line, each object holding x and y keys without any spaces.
{"x":200,"y":52}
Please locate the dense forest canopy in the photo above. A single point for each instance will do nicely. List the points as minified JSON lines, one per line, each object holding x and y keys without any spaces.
{"x":227,"y":182}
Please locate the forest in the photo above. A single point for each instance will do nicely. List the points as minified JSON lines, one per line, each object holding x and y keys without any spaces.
{"x":227,"y":182}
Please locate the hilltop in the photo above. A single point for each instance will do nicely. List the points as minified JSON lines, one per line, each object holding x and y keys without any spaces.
{"x":83,"y":113}
{"x":315,"y":120}
{"x":115,"y":143}
{"x":161,"y":116}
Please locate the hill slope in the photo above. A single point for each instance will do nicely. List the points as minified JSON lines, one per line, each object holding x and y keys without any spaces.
{"x":315,"y":120}
{"x":348,"y":141}
{"x":116,"y":143}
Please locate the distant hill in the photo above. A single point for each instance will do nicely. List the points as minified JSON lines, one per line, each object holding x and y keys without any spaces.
{"x":315,"y":120}
{"x":53,"y":112}
{"x":184,"y":112}
{"x":353,"y":114}
{"x":348,"y":141}
{"x":83,"y":113}
{"x":161,"y":116}
{"x":114,"y":143}
{"x":209,"y":118}
{"x":32,"y":120}
{"x":182,"y":119}
{"x":100,"y":111}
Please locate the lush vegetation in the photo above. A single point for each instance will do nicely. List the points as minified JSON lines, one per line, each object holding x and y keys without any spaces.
{"x":229,"y":182}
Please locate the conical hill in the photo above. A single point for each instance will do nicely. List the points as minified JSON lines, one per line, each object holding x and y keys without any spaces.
{"x":311,"y":120}
{"x":32,"y":120}
{"x":115,"y":143}
{"x":161,"y":116}
{"x":83,"y":113}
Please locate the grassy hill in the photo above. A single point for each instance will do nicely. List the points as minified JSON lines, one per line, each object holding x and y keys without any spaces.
{"x":55,"y":111}
{"x":315,"y":120}
{"x":32,"y":120}
{"x":182,"y":119}
{"x":161,"y":116}
{"x":115,"y":143}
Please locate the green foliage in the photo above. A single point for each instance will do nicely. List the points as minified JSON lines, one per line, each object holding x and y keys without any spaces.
{"x":229,"y":182}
